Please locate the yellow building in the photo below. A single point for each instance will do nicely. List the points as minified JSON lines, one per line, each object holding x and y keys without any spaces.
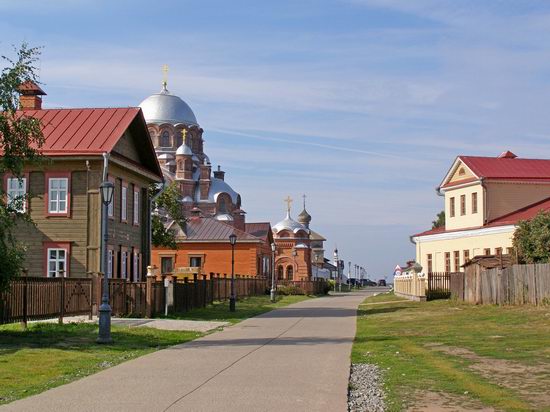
{"x":485,"y":197}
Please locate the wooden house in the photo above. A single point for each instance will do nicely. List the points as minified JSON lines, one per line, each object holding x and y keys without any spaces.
{"x":63,"y":191}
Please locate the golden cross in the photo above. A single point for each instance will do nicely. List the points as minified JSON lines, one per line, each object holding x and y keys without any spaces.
{"x":288,"y":201}
{"x":184,"y":133}
{"x":165,"y":75}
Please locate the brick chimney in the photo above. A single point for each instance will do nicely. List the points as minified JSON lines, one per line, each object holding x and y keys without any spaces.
{"x":31,"y":96}
{"x":219,"y":174}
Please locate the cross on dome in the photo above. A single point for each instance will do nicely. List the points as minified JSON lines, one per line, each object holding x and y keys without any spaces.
{"x":288,"y":202}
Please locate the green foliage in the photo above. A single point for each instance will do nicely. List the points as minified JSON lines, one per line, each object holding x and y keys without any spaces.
{"x":20,"y":142}
{"x":290,"y":290}
{"x":167,"y":202}
{"x":532,"y":239}
{"x":439,"y":221}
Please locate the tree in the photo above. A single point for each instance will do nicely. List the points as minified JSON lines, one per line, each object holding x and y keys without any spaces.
{"x":439,"y":221}
{"x":168,"y":206}
{"x":20,"y":142}
{"x":532,"y":239}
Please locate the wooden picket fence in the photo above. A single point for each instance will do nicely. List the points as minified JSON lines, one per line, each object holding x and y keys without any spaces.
{"x":514,"y":285}
{"x":439,"y":285}
{"x":35,"y":298}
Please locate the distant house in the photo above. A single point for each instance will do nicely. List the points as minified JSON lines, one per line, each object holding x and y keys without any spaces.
{"x":485,"y":198}
{"x":203,"y":247}
{"x":64,"y":200}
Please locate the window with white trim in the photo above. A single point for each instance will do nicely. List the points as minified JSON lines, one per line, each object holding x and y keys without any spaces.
{"x":111,"y":207}
{"x":136,"y":267}
{"x":110,"y":256}
{"x":136,"y":207}
{"x":16,"y":191}
{"x":123,"y":264}
{"x":57,"y":194}
{"x":57,"y":262}
{"x":124,"y":203}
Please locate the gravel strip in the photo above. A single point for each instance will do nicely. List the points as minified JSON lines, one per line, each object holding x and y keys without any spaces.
{"x":365,"y":389}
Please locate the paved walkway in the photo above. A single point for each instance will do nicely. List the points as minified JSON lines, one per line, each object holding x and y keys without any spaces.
{"x":295,"y":358}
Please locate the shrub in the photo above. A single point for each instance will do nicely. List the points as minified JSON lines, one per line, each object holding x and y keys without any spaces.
{"x":290,"y":290}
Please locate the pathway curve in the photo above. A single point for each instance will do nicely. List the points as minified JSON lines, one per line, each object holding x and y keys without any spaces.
{"x":296,"y":358}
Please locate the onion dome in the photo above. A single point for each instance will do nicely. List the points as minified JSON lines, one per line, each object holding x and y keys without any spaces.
{"x":164,"y":107}
{"x":184,"y":150}
{"x":289,"y":224}
{"x":224,"y":217}
{"x":304,"y":218}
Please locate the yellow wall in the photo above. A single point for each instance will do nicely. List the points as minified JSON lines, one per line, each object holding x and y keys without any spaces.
{"x":470,"y":219}
{"x":474,"y":241}
{"x":457,"y":175}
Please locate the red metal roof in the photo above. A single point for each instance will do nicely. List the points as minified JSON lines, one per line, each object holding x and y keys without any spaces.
{"x":260,"y":230}
{"x":82,"y":131}
{"x":200,"y":229}
{"x":508,"y":167}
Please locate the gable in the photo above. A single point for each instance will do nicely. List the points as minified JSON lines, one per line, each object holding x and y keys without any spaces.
{"x":127,"y":147}
{"x":458,"y":173}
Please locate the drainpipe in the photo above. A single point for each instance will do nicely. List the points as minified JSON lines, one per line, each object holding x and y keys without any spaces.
{"x":485,"y":218}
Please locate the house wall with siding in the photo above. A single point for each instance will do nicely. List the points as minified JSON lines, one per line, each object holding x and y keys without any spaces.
{"x":507,"y":197}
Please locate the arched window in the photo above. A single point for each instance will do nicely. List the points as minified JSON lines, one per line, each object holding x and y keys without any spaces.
{"x":179,"y":139}
{"x":289,"y":272}
{"x":280,"y":273}
{"x":222,"y":207}
{"x":180,"y":165}
{"x":165,"y":139}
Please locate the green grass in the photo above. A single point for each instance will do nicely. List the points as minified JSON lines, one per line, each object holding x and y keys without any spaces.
{"x":397,"y":337}
{"x":47,"y":355}
{"x":245,"y":308}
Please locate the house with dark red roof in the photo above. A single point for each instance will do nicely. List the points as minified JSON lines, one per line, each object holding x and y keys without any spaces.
{"x":485,"y":198}
{"x":63,"y":196}
{"x":203,"y":247}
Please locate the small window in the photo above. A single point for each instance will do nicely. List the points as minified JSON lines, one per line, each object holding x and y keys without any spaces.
{"x":457,"y":260}
{"x":461,"y":171}
{"x":165,"y":139}
{"x":280,"y":271}
{"x":136,"y":207}
{"x":430,"y":263}
{"x":452,"y":207}
{"x":123,"y":264}
{"x":462,"y":205}
{"x":195,"y":262}
{"x":487,"y":251}
{"x":124,"y":204}
{"x":474,"y":202}
{"x":447,"y":261}
{"x":498,"y":251}
{"x":16,"y":192}
{"x":466,"y":255}
{"x":166,"y":265}
{"x":110,"y":262}
{"x":111,"y":207}
{"x":57,"y":194}
{"x":57,"y":262}
{"x":290,"y":273}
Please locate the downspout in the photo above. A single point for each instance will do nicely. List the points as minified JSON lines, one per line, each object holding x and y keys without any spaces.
{"x":485,"y":218}
{"x":87,"y":217}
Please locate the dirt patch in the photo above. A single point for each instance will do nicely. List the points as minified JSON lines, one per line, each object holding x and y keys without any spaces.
{"x":427,"y":401}
{"x":531,"y":382}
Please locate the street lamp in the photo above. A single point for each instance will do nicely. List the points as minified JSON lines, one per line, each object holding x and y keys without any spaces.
{"x":337,"y":262}
{"x":107,"y":189}
{"x":232,"y":240}
{"x":273,"y":290}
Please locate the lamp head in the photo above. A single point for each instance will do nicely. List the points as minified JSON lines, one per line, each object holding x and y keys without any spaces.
{"x":107,"y":189}
{"x":232,"y":239}
{"x":273,"y":247}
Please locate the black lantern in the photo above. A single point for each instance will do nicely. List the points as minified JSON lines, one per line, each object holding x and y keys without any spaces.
{"x":107,"y":190}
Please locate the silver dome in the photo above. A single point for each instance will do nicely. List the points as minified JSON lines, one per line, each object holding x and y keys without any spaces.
{"x":184,"y":150}
{"x":164,"y":107}
{"x":289,"y":224}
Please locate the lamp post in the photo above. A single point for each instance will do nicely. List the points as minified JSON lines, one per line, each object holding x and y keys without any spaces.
{"x":337,"y":263}
{"x":107,"y":189}
{"x":232,"y":240}
{"x":273,"y":290}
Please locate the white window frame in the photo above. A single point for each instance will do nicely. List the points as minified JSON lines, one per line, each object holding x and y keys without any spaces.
{"x":110,"y":260}
{"x":57,"y":201}
{"x":123,"y":264}
{"x":56,"y":261}
{"x":18,"y":193}
{"x":136,"y":266}
{"x":124,"y":204}
{"x":136,"y":207}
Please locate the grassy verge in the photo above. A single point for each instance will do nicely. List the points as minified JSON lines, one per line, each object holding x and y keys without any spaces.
{"x":246,"y":308}
{"x":495,"y":356}
{"x":47,"y":355}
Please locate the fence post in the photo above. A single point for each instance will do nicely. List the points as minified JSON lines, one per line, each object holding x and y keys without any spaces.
{"x":25,"y":296}
{"x":195,"y":290}
{"x":186,"y":292}
{"x":169,"y":299}
{"x":149,"y":291}
{"x":62,"y":298}
{"x":91,"y":299}
{"x":204,"y":291}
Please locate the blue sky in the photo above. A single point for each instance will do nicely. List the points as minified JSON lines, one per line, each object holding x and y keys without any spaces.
{"x":360,"y":104}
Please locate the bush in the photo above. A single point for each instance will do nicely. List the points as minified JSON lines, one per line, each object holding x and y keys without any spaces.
{"x":290,"y":290}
